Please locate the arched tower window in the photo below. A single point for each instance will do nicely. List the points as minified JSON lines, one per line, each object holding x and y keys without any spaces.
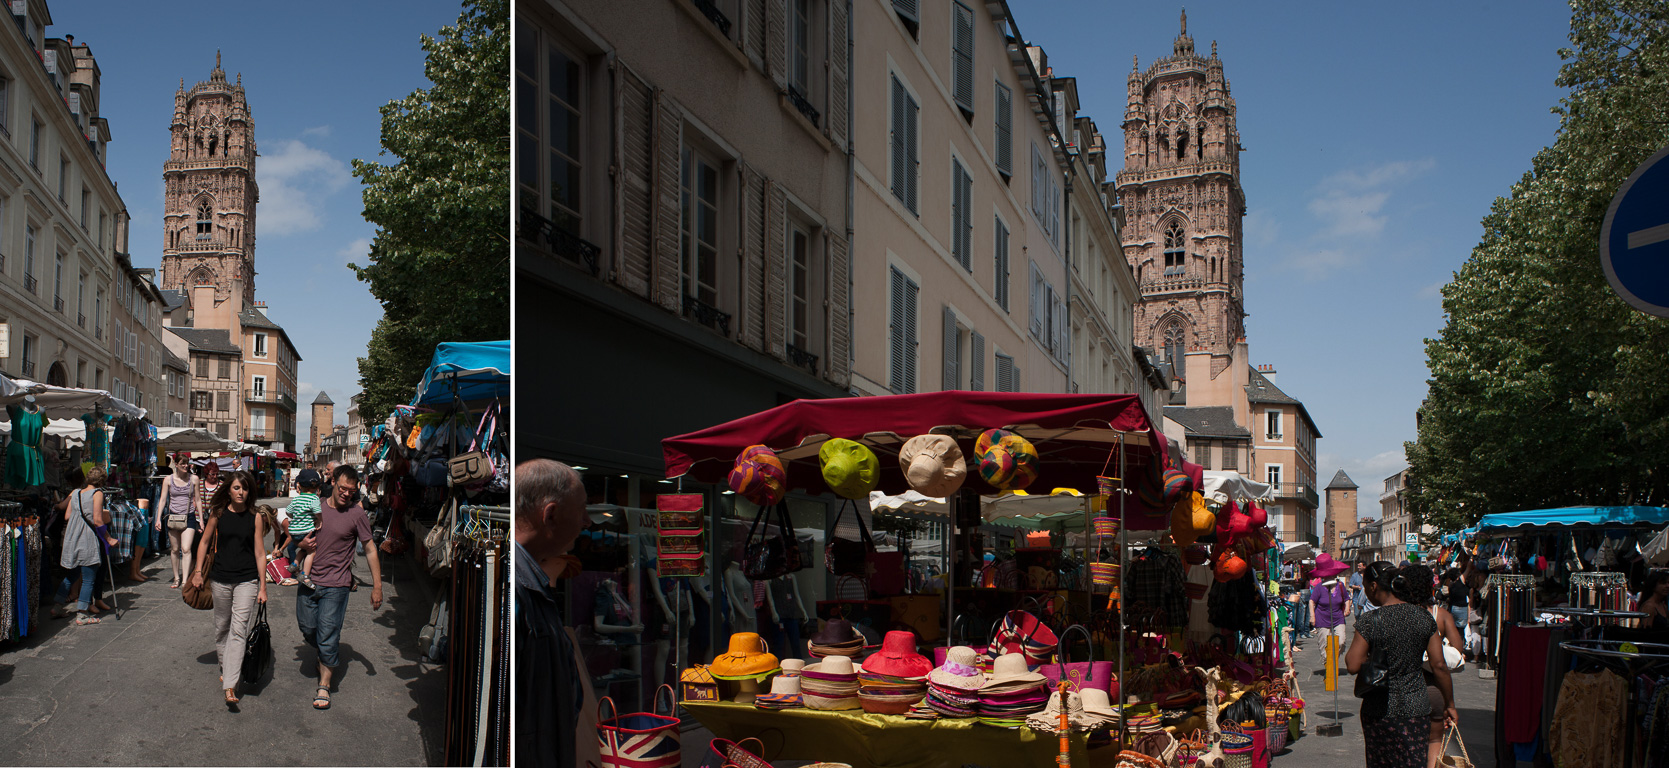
{"x":214,"y":141}
{"x":1176,"y":337}
{"x":205,"y":221}
{"x":1175,"y":255}
{"x":1182,"y":143}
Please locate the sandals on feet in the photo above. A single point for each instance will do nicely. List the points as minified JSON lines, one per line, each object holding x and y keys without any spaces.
{"x":231,"y":699}
{"x":287,"y":583}
{"x":82,"y":621}
{"x":322,"y":700}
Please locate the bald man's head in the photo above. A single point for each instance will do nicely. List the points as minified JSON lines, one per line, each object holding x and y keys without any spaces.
{"x":550,"y":506}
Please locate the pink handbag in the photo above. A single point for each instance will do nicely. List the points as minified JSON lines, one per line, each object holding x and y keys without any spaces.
{"x":278,"y":569}
{"x":1082,"y":674}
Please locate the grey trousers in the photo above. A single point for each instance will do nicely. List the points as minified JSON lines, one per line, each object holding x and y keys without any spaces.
{"x":234,"y":609}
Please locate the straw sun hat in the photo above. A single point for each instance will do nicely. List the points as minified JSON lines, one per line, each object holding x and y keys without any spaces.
{"x":960,"y":670}
{"x":933,"y":465}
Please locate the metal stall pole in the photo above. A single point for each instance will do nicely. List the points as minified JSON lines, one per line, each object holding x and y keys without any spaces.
{"x":951,"y":505}
{"x":1123,"y":472}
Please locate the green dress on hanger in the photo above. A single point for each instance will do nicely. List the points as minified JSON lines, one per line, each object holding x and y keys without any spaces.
{"x":24,"y":467}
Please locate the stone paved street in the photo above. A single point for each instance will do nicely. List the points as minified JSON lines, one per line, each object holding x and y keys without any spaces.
{"x":142,"y":690}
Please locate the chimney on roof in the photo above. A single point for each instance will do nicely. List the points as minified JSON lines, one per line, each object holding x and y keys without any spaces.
{"x":1268,"y":372}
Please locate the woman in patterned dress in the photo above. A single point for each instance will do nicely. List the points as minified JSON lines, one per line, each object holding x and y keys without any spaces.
{"x":1395,"y":723}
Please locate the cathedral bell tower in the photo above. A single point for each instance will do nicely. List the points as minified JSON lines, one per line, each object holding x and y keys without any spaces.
{"x":209,"y":193}
{"x":1181,"y":191}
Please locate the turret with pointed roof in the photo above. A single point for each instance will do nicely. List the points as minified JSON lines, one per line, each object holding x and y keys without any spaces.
{"x":1341,"y":480}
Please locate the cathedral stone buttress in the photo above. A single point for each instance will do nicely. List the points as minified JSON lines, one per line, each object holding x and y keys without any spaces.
{"x":209,"y":191}
{"x":1181,"y":191}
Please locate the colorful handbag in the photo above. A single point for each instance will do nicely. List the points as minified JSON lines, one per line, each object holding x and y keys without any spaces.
{"x":722,"y":753}
{"x":642,"y":739}
{"x":278,"y":569}
{"x":1021,"y":632}
{"x":1081,"y":674}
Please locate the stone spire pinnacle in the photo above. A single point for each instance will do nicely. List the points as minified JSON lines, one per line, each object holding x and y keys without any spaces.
{"x":218,"y":75}
{"x":1184,"y":44}
{"x":1184,"y":33}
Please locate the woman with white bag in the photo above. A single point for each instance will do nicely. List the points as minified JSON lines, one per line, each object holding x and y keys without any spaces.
{"x":1423,"y":592}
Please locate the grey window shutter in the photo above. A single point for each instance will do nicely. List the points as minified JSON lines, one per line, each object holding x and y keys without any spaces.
{"x":908,"y":10}
{"x":965,"y":185}
{"x":1002,"y":264}
{"x":962,"y":53}
{"x":953,"y":376}
{"x":976,"y":361}
{"x":900,"y":189}
{"x":896,"y":333}
{"x":1013,"y":377}
{"x":912,"y":149}
{"x":1037,"y":303}
{"x":839,"y":74}
{"x":1005,"y":130}
{"x":910,"y":337}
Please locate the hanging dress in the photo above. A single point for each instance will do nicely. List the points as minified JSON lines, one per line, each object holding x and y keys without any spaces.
{"x":24,"y":466}
{"x":98,"y":439}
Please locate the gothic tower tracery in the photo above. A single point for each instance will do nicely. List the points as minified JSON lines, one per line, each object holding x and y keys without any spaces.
{"x":1181,"y":191}
{"x":209,"y":190}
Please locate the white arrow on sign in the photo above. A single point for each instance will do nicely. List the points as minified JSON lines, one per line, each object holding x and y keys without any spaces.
{"x":1648,"y":236}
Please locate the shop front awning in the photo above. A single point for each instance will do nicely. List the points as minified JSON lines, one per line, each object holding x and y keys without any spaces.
{"x":480,"y":369}
{"x":1574,"y":517}
{"x":1221,"y":486}
{"x":1077,"y":436}
{"x":64,"y":402}
{"x":188,"y":439}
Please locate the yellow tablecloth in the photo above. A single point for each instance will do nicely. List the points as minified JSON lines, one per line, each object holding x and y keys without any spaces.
{"x":885,"y":741}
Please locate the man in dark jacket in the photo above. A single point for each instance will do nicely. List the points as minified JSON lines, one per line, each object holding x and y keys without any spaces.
{"x":550,"y":692}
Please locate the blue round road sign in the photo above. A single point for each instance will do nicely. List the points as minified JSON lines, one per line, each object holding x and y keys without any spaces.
{"x":1634,"y":242}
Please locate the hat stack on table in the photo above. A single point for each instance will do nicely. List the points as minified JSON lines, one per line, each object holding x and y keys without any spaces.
{"x":895,"y":677}
{"x":837,"y":638}
{"x":785,"y":694}
{"x":831,"y":684}
{"x":1098,"y":709}
{"x":747,"y":659}
{"x":1011,"y":692}
{"x":1050,"y":718}
{"x":953,"y":688}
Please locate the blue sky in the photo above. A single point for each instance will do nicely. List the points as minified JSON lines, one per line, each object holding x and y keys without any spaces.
{"x":1377,"y":136}
{"x":316,"y":74}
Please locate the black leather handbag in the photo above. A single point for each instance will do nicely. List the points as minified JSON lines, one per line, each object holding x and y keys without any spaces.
{"x":771,"y":556}
{"x":257,"y":652}
{"x":1373,"y":681}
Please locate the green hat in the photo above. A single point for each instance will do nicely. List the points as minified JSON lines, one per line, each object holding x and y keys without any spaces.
{"x":850,"y":468}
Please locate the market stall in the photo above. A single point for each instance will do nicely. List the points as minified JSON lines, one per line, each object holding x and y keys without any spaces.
{"x":1562,"y":634}
{"x":958,"y":460}
{"x":436,"y":482}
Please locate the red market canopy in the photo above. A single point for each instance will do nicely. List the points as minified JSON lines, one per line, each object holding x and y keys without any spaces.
{"x":1075,"y":435}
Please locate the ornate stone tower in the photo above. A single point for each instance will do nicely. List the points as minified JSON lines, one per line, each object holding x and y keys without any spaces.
{"x":209,"y":191}
{"x":1181,"y":191}
{"x":1341,"y":512}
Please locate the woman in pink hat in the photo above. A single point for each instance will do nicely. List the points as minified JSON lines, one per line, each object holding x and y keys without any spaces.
{"x":1330,"y":596}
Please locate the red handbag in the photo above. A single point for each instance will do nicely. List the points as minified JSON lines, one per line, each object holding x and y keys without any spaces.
{"x":278,"y":569}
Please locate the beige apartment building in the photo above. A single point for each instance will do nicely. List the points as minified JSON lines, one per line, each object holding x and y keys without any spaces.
{"x":1101,"y":289}
{"x":1284,"y":455}
{"x":59,"y":236}
{"x":177,"y":371}
{"x":681,"y":193}
{"x":136,"y":347}
{"x":960,"y":196}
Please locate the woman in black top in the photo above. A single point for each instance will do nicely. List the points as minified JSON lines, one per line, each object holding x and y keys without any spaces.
{"x":239,"y":581}
{"x":1394,"y":721}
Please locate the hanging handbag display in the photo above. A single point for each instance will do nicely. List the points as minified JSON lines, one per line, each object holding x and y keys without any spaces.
{"x":771,"y":556}
{"x":474,"y":465}
{"x":1081,"y":674}
{"x":1020,"y":632}
{"x":257,"y":652}
{"x":439,"y":540}
{"x":202,"y":598}
{"x":640,"y":739}
{"x":845,"y":557}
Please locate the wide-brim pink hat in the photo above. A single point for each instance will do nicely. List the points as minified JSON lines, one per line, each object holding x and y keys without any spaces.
{"x":898,"y":657}
{"x":1326,"y":567}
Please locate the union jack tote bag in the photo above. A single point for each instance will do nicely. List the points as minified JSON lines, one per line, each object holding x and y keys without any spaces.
{"x":642,"y":739}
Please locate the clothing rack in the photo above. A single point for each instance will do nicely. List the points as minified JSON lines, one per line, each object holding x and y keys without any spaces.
{"x":1512,"y":600}
{"x":1630,"y":660}
{"x":1608,"y":591}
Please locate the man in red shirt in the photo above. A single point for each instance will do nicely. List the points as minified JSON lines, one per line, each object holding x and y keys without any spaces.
{"x":320,"y":609}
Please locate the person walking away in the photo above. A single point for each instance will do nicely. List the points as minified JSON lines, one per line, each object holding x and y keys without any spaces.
{"x":1421,"y":593}
{"x":237,"y":580}
{"x":303,"y":513}
{"x":1358,"y":597}
{"x":551,"y":686}
{"x":1330,"y":597}
{"x":178,"y":512}
{"x":81,"y":553}
{"x":321,"y":608}
{"x":208,"y":481}
{"x":1396,"y":721}
{"x":1455,"y":597}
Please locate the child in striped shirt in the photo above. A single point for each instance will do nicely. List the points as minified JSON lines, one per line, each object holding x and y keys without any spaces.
{"x":303,"y":514}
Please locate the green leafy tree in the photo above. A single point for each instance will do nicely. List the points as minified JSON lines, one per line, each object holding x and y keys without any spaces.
{"x":1546,"y":388}
{"x":440,"y":263}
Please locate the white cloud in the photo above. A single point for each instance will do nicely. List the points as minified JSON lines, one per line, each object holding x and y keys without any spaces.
{"x":1260,"y":230}
{"x":1346,"y":215}
{"x":1318,"y":262}
{"x":294,"y":181}
{"x":1379,"y":176}
{"x":1435,"y":290}
{"x":317,"y":130}
{"x":355,"y":251}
